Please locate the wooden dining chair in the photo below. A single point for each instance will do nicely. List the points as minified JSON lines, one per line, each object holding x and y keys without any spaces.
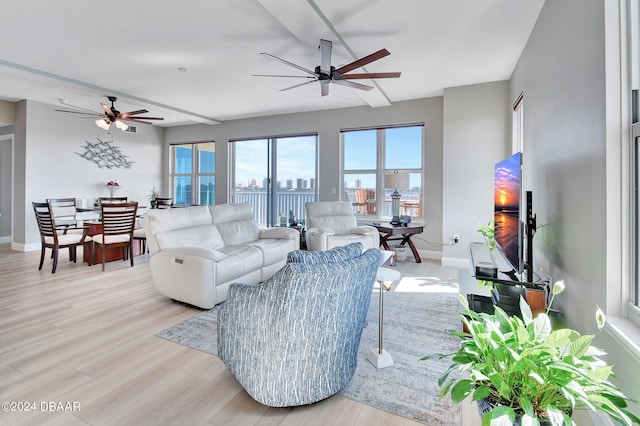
{"x":112,"y":200}
{"x":51,"y":238}
{"x":118,"y":221}
{"x":164,"y":203}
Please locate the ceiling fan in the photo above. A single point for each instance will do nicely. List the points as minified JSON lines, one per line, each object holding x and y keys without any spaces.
{"x":325,"y":73}
{"x":112,"y":116}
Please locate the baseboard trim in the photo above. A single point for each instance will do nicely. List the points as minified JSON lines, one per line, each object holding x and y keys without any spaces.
{"x":455,"y":262}
{"x":429,"y":254}
{"x":5,"y":240}
{"x":25,"y":247}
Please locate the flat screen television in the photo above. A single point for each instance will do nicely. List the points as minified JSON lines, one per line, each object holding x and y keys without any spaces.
{"x":507,"y":209}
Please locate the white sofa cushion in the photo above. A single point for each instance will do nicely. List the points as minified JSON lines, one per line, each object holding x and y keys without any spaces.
{"x":238,"y":261}
{"x":204,"y":236}
{"x":235,"y":223}
{"x":169,"y":219}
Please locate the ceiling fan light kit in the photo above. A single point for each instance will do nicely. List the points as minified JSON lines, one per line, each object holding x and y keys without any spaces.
{"x":325,"y":73}
{"x":112,"y":116}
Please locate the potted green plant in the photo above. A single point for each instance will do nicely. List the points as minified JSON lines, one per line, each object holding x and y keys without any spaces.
{"x":523,"y":372}
{"x":488,"y":234}
{"x":153,"y":195}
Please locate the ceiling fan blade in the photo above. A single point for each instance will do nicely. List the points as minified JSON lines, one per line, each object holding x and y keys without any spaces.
{"x":371,"y":75}
{"x":94,"y":114}
{"x":364,"y":61}
{"x":139,"y":111}
{"x":107,"y":110}
{"x":77,"y":107}
{"x":134,"y":120}
{"x":123,"y":117}
{"x":352,"y":84}
{"x":324,"y":87}
{"x":297,"y":85}
{"x":288,"y":63}
{"x":276,"y":75}
{"x":325,"y":56}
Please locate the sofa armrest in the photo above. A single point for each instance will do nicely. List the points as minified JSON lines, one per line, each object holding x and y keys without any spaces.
{"x":280,"y":233}
{"x":364,"y":230}
{"x":211,"y":254}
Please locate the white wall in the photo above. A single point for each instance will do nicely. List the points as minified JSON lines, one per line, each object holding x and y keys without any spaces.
{"x":567,"y":142}
{"x":561,"y":74}
{"x":477,"y":134}
{"x":49,"y":141}
{"x":328,"y":124}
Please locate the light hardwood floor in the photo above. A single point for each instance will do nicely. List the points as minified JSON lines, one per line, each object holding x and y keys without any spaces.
{"x":87,"y":337}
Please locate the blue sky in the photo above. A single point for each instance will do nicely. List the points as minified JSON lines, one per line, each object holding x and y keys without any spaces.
{"x":296,"y":155}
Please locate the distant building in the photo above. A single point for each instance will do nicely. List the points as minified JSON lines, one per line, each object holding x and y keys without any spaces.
{"x":289,"y":183}
{"x":312,"y":183}
{"x":358,"y":183}
{"x":301,"y":183}
{"x":265,"y":183}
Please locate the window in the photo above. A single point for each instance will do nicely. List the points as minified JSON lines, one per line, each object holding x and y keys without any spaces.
{"x":369,"y":154}
{"x":633,"y":66}
{"x":277,"y":176}
{"x":193,"y":166}
{"x":518,"y":119}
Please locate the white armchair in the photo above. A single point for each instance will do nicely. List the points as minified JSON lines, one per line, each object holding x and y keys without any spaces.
{"x":333,"y":224}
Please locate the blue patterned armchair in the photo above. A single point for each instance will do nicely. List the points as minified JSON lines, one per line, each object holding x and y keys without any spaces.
{"x":293,"y":340}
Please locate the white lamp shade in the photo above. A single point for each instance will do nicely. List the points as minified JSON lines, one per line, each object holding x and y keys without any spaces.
{"x":396,"y":180}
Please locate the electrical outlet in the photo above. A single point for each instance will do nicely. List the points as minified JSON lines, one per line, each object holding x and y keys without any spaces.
{"x":455,"y":238}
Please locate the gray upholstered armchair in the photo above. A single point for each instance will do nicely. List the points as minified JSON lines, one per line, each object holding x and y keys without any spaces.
{"x":293,"y":340}
{"x":333,"y":224}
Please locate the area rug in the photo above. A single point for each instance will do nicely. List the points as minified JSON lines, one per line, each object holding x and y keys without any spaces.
{"x":415,"y":325}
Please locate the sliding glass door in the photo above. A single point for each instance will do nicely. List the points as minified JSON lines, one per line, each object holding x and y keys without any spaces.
{"x":277,"y":176}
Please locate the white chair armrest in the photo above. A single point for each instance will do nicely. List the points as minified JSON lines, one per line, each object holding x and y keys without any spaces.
{"x":280,"y":233}
{"x":317,"y":232}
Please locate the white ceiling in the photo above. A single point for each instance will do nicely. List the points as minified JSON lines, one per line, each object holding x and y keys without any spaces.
{"x":81,"y":51}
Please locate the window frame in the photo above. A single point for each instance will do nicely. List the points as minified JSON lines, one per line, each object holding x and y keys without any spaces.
{"x":381,"y":170}
{"x":195,"y":173}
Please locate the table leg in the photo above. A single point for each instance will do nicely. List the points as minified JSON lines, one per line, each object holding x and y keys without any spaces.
{"x":414,"y":250}
{"x":383,"y":241}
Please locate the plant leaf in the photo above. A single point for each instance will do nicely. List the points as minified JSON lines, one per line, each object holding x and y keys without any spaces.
{"x":600,"y":318}
{"x":525,"y":309}
{"x":499,"y":416}
{"x":558,"y":287}
{"x":580,"y":345}
{"x":461,"y":390}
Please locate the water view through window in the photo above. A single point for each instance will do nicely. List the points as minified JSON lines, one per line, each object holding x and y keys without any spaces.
{"x":277,"y":176}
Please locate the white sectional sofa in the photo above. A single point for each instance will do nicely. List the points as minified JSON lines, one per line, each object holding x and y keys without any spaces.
{"x":197,"y":252}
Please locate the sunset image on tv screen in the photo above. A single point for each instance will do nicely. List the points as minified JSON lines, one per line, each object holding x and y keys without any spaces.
{"x":507,"y":184}
{"x":506,"y":217}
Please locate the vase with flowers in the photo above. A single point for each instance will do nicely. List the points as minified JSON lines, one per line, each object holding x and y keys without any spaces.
{"x":112,"y":187}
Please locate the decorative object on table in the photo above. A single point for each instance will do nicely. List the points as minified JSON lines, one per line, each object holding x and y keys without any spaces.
{"x":112,"y":187}
{"x":153,"y":195}
{"x":404,"y":220}
{"x":524,"y":372}
{"x":105,"y":155}
{"x":292,"y":219}
{"x":396,"y":180}
{"x":111,"y":115}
